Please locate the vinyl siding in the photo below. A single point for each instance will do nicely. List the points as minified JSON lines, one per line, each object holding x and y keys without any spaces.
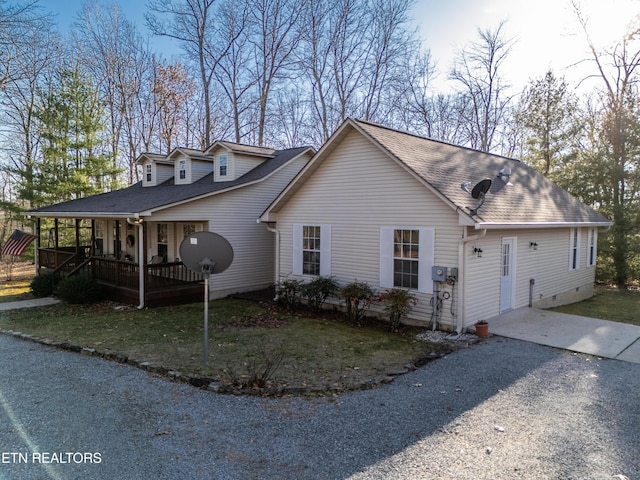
{"x":357,"y":190}
{"x":548,"y":266}
{"x":234,"y":216}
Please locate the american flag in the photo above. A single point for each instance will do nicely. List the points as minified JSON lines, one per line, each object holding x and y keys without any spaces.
{"x":17,"y":243}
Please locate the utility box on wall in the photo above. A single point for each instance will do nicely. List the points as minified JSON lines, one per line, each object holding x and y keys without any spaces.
{"x":439,"y":274}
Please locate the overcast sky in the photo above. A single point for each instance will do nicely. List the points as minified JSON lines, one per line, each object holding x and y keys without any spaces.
{"x":546,"y":31}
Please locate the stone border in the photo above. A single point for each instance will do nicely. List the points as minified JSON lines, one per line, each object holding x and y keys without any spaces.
{"x":213,"y":385}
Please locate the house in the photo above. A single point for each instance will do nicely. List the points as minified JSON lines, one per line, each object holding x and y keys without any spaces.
{"x":480,"y":233}
{"x":129,"y":239}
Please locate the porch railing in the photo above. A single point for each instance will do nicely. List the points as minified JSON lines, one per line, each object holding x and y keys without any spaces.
{"x":157,"y":276}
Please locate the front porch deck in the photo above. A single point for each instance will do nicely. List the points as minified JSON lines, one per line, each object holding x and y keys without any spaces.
{"x":165,"y":283}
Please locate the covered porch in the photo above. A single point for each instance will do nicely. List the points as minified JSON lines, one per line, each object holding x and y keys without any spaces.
{"x":136,"y":261}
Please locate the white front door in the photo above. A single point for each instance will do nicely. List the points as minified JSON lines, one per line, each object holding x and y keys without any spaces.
{"x":507,"y":274}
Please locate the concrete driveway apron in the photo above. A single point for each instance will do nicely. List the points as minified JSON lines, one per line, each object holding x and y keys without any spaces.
{"x":593,"y":336}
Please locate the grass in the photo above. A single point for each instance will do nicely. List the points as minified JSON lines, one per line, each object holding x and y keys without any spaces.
{"x":608,"y":303}
{"x":13,"y":290}
{"x":244,"y":336}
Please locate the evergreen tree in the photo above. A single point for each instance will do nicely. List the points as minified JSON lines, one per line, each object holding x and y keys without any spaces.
{"x":75,"y":160}
{"x":547,"y":115}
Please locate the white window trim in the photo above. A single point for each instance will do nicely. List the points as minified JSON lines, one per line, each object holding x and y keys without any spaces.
{"x":182,"y":163}
{"x":572,"y":239}
{"x":592,"y":240}
{"x":217,"y":166}
{"x":426,"y":257}
{"x":325,"y":249}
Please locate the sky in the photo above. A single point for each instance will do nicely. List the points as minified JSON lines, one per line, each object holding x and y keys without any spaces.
{"x":546,"y":32}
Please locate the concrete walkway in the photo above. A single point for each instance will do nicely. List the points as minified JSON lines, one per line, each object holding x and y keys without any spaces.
{"x":36,"y":302}
{"x":602,"y":338}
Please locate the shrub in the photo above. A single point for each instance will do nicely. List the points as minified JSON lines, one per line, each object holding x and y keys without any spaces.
{"x":357,"y":297}
{"x":78,"y":289}
{"x":44,"y":285}
{"x":318,"y":290}
{"x":397,"y":304}
{"x":289,"y":292}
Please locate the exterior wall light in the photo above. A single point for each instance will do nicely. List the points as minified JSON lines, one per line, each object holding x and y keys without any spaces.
{"x":533,"y":245}
{"x":477,"y":251}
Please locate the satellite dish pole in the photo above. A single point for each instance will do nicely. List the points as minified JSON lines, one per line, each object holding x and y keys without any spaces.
{"x":206,"y":253}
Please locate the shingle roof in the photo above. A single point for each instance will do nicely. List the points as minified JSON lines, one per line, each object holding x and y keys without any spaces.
{"x":137,"y":199}
{"x":241,"y":148}
{"x":531,"y":199}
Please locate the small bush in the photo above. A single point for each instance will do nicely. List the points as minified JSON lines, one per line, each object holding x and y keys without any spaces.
{"x":397,"y":305}
{"x":78,"y":289}
{"x":357,"y":297}
{"x":289,"y":292}
{"x":44,"y":285}
{"x":318,"y":290}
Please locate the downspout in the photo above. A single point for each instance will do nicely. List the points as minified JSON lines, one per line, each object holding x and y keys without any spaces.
{"x":462,"y":273}
{"x":277,"y":255}
{"x":141,"y":243}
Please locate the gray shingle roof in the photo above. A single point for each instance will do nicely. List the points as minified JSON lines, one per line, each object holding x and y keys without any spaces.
{"x":137,"y":199}
{"x":531,"y":199}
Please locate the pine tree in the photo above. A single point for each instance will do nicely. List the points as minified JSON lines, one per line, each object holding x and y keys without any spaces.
{"x":75,"y":160}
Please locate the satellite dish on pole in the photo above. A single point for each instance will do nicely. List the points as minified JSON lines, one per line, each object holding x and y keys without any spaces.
{"x":207,"y":253}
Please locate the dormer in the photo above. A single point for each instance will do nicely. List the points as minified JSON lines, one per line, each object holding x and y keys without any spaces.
{"x":155,"y":169}
{"x":232,"y":160}
{"x":190,"y":165}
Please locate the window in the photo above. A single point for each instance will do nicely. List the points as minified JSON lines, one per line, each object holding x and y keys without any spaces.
{"x":312,"y":250}
{"x":406,"y":249}
{"x":148,"y":169}
{"x":182,"y":169}
{"x":574,"y":250}
{"x":592,"y":247}
{"x":222,"y":166}
{"x":163,"y":241}
{"x":99,"y":237}
{"x":406,"y":257}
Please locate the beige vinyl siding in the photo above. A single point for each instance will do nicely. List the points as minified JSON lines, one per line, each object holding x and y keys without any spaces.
{"x":244,"y":163}
{"x":234,"y":215}
{"x":358,"y":190}
{"x":548,"y":266}
{"x":200,"y":168}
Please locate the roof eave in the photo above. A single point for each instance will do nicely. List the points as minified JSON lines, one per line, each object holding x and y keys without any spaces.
{"x":538,"y":225}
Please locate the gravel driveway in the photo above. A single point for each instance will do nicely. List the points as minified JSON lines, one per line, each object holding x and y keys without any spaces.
{"x":502,"y":409}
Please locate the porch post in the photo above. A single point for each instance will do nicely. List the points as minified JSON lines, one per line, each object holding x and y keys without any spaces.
{"x":77,"y":236}
{"x":142,"y":271}
{"x":55,"y":241}
{"x":116,"y":251}
{"x":92,"y":247}
{"x":37,"y":247}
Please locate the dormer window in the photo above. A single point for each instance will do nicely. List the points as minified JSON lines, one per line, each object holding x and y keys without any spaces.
{"x":222,"y":165}
{"x":182,"y":169}
{"x":148,"y":169}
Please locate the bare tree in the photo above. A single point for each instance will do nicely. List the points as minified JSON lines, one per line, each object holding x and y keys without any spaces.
{"x":276,"y":33}
{"x":172,"y":90}
{"x":477,"y":69}
{"x":119,"y":61}
{"x":617,"y":68}
{"x":31,"y":51}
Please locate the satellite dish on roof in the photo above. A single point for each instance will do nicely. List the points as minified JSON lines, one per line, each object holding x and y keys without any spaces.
{"x":206,"y":253}
{"x":481,"y":188}
{"x":478,"y":192}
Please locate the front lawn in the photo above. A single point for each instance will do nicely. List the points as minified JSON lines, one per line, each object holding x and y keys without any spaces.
{"x":608,"y":303}
{"x":244,"y":337}
{"x":13,"y":290}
